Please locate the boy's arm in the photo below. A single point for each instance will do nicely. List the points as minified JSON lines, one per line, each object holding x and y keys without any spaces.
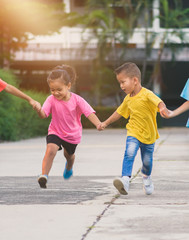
{"x":164,"y":112}
{"x":16,"y":92}
{"x":113,"y":118}
{"x":94,"y":119}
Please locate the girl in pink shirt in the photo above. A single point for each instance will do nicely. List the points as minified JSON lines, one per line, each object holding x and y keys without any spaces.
{"x":65,"y":129}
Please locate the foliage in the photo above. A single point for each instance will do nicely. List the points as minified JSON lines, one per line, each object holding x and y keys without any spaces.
{"x":21,"y":17}
{"x":17,"y":118}
{"x":111,"y":29}
{"x":112,"y":24}
{"x":173,"y":18}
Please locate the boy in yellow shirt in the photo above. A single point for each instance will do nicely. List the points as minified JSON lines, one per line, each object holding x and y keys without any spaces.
{"x":141,"y":107}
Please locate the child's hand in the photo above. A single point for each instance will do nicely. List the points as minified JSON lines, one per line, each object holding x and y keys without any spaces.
{"x":170,"y":114}
{"x":36,"y":105}
{"x":166,"y":113}
{"x":101,"y":126}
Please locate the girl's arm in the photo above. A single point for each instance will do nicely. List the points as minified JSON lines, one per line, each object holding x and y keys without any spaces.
{"x":183,"y":108}
{"x":16,"y":92}
{"x":94,"y":119}
{"x":170,"y":114}
{"x":113,"y":118}
{"x":41,"y":113}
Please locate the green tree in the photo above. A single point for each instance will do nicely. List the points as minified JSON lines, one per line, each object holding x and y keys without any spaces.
{"x":21,"y":17}
{"x":111,"y":30}
{"x":112,"y":24}
{"x":172,"y":21}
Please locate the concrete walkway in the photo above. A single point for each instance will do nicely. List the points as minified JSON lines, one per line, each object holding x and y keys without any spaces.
{"x":88,"y":207}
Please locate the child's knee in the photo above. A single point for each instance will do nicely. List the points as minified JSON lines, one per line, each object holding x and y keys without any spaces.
{"x":130,"y":152}
{"x":51,"y":150}
{"x":67,"y":155}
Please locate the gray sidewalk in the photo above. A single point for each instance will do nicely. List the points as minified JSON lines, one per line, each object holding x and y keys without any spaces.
{"x":87,"y":207}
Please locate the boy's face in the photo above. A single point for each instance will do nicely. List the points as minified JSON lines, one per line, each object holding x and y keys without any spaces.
{"x":127,"y":84}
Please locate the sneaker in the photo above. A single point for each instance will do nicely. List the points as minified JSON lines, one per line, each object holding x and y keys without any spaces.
{"x":122,"y":184}
{"x":148,"y":185}
{"x":42,"y":180}
{"x":67,"y":173}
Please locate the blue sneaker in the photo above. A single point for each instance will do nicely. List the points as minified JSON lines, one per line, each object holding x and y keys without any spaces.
{"x":42,"y":180}
{"x":67,"y":173}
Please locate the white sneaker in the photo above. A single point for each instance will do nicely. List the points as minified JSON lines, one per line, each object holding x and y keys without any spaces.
{"x":148,"y":185}
{"x":122,"y":184}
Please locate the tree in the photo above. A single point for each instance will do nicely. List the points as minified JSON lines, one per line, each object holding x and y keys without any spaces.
{"x":112,"y":24}
{"x":173,"y":19}
{"x":18,"y":18}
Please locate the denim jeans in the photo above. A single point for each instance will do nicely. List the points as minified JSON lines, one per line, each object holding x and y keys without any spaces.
{"x":132,"y":146}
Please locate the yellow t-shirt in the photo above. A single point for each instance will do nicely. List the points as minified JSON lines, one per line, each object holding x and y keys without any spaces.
{"x":141,"y":110}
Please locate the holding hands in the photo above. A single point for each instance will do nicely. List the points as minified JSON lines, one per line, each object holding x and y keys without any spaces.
{"x":166,"y":113}
{"x":36,"y":105}
{"x":101,"y":126}
{"x":113,"y":118}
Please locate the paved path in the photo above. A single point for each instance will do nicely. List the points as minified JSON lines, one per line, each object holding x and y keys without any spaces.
{"x":87,"y":207}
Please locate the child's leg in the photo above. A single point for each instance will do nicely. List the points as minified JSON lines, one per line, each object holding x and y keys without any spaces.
{"x":122,"y":184}
{"x":68,"y":172}
{"x":70,"y":159}
{"x":50,"y":153}
{"x":69,"y":153}
{"x":147,"y":151}
{"x":132,"y":146}
{"x":147,"y":160}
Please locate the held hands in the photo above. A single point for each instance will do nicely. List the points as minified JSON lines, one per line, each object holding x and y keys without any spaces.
{"x":101,"y":126}
{"x":36,"y":105}
{"x":166,"y":113}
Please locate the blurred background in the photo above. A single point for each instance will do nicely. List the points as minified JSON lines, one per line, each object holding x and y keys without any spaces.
{"x":95,"y":37}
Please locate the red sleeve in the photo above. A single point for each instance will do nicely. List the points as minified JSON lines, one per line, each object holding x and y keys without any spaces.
{"x":2,"y":85}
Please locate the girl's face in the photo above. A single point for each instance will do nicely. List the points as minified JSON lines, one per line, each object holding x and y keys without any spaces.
{"x":59,"y":90}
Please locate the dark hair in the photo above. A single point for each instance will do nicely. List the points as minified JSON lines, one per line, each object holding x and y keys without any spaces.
{"x":130,"y":69}
{"x":65,"y":73}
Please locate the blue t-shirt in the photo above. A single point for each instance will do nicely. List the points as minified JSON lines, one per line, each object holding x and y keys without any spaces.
{"x":185,"y":95}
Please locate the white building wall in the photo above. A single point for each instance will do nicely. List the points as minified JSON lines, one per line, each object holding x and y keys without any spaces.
{"x":50,"y":47}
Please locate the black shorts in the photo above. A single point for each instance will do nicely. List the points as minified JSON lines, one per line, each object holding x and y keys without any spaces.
{"x":70,"y":148}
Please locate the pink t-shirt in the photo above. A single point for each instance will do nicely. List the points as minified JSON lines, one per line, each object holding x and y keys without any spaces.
{"x":2,"y":85}
{"x":66,"y":117}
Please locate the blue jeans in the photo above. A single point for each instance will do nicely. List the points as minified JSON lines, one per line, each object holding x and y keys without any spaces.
{"x":132,"y":146}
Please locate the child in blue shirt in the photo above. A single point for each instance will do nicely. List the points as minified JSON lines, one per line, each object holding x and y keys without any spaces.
{"x":183,"y":108}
